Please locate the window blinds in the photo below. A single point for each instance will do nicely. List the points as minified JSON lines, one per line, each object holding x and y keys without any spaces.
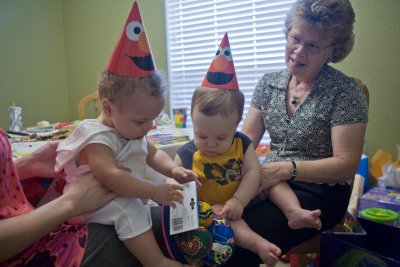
{"x":195,"y":29}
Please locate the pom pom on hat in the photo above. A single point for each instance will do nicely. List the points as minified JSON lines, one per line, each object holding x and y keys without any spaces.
{"x":221,"y":73}
{"x":132,"y":56}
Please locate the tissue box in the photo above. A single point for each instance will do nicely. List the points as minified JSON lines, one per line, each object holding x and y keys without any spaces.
{"x":380,"y":198}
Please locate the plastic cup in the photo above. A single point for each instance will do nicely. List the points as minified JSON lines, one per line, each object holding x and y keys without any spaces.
{"x":15,"y":117}
{"x":179,"y":117}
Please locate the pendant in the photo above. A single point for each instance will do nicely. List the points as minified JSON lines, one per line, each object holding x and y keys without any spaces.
{"x":295,"y":100}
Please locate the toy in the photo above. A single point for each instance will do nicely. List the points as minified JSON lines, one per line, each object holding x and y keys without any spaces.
{"x":212,"y":246}
{"x":194,"y":244}
{"x":206,"y":214}
{"x":380,"y":215}
{"x":223,"y":244}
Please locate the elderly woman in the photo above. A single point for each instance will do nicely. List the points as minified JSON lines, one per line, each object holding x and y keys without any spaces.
{"x":316,"y":117}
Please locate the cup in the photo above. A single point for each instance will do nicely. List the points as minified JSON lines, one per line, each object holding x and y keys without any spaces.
{"x":179,"y":117}
{"x":15,"y":117}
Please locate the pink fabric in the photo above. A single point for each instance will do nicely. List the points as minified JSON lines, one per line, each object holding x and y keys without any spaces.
{"x":65,"y":246}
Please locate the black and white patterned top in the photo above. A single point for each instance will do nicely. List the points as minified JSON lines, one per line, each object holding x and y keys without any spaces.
{"x":334,"y":99}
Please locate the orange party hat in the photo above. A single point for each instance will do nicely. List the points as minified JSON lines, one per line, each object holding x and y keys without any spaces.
{"x":132,"y":54}
{"x":221,"y":74}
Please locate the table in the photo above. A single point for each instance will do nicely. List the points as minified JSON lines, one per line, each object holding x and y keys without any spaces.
{"x":24,"y":148}
{"x":170,"y":148}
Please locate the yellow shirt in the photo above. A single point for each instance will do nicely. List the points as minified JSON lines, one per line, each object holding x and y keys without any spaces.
{"x":220,"y":175}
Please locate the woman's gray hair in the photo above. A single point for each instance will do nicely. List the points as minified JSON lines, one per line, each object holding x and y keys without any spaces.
{"x":333,"y":17}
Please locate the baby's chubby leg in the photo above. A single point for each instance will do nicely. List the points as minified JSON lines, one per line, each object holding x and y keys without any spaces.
{"x":145,"y":248}
{"x":284,"y":197}
{"x":247,"y":238}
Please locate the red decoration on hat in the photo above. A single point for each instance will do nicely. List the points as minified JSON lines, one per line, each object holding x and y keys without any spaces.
{"x":132,"y":54}
{"x":221,"y":74}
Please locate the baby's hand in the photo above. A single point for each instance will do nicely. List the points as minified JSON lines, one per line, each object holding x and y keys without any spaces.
{"x":232,"y":210}
{"x":168,"y":194}
{"x":182,"y":175}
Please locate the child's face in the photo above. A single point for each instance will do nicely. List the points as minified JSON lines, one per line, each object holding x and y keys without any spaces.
{"x":213,"y":135}
{"x":133,"y":117}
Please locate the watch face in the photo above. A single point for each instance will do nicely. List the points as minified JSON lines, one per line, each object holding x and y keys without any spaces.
{"x":294,"y":172}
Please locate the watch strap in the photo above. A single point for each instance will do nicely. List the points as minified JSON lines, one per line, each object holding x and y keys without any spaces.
{"x":294,"y":171}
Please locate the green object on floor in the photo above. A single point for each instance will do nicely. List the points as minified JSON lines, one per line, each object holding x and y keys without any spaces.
{"x":380,"y":215}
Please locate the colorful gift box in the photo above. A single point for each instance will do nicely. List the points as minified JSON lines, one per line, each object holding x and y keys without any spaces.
{"x":380,"y":198}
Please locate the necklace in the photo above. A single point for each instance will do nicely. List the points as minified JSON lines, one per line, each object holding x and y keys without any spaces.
{"x":295,"y":100}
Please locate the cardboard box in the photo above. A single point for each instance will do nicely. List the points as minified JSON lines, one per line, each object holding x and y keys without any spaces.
{"x":380,"y":198}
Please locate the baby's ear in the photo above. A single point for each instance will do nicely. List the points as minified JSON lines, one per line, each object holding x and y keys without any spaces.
{"x":106,"y":106}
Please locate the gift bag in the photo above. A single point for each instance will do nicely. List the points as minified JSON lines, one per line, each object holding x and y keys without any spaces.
{"x":383,"y":239}
{"x":362,"y":247}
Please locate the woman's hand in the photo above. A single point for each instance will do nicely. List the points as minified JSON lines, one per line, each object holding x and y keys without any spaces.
{"x":86,"y":194}
{"x":273,"y":173}
{"x":40,"y":163}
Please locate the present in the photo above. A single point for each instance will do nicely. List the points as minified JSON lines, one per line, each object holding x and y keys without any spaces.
{"x":366,"y":245}
{"x":380,"y":198}
{"x":382,"y":239}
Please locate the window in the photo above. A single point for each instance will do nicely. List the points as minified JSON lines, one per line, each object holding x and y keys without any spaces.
{"x":195,"y":30}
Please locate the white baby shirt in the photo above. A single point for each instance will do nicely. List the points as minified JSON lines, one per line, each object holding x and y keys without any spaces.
{"x":130,"y":216}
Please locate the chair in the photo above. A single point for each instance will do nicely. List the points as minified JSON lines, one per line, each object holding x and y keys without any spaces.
{"x":92,"y":99}
{"x":312,"y":245}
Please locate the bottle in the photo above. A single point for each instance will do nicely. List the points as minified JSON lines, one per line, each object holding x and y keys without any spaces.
{"x":363,"y":169}
{"x":15,"y":117}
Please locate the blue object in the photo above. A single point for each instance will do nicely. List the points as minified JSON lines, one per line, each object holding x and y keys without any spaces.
{"x":363,"y":171}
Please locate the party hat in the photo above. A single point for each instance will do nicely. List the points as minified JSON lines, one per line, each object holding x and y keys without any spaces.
{"x":221,"y":73}
{"x":132,"y":54}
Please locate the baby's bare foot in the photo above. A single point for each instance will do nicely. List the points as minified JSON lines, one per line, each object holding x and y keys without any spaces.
{"x":302,"y":218}
{"x":268,"y":252}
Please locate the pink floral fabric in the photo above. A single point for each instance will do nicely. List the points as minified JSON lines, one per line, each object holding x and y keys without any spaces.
{"x":65,"y":246}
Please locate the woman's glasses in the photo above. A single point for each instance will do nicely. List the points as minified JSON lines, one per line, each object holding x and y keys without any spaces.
{"x":311,"y":48}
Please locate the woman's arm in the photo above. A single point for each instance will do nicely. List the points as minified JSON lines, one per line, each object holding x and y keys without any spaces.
{"x":253,"y":125}
{"x":347,"y":143}
{"x":17,"y":233}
